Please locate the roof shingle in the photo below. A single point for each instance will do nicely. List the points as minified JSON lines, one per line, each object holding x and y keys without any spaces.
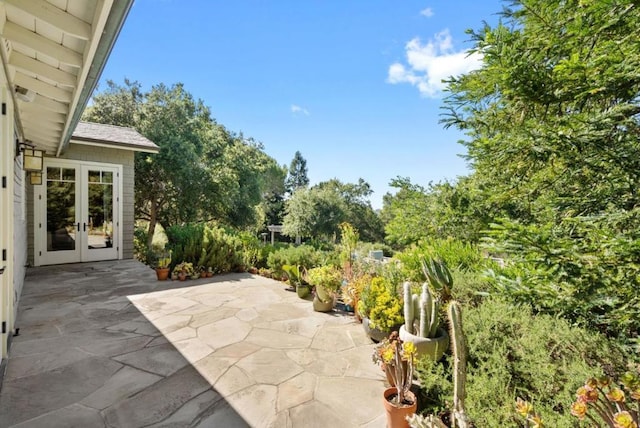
{"x":118,"y":136}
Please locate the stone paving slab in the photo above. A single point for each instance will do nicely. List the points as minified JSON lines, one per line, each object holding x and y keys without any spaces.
{"x":106,"y":345}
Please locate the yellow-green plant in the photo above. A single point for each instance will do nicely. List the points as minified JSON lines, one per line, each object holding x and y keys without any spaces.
{"x":184,"y":267}
{"x":164,"y":260}
{"x":327,"y":280}
{"x":348,"y":241}
{"x":384,"y":305}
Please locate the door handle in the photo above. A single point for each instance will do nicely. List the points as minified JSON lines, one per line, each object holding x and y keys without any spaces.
{"x":84,"y":227}
{"x":78,"y":227}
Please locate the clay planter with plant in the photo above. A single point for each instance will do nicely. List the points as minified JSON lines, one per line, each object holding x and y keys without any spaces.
{"x":327,"y":281}
{"x":381,"y":309}
{"x":422,"y":323}
{"x":162,"y":265}
{"x":295,"y":274}
{"x":184,"y":270}
{"x":422,"y":314}
{"x":397,"y":359}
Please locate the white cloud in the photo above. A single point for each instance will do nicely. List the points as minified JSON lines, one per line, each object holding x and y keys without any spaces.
{"x":428,"y":64}
{"x":428,"y":12}
{"x":296,"y":109}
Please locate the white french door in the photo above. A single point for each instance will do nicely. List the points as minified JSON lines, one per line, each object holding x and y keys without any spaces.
{"x":77,"y":212}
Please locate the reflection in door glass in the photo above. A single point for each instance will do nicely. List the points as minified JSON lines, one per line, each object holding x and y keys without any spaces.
{"x":100,"y":227}
{"x":61,"y":211}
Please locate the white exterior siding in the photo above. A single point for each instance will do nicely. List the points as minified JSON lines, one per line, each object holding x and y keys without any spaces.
{"x":19,"y":232}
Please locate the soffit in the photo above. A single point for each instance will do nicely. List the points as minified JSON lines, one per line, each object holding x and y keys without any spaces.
{"x":52,"y":49}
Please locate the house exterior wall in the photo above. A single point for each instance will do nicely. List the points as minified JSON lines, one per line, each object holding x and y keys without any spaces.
{"x":19,"y":232}
{"x":104,"y":155}
{"x":10,"y":277}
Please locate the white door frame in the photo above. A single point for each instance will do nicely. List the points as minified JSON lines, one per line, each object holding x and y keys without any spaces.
{"x":81,"y":252}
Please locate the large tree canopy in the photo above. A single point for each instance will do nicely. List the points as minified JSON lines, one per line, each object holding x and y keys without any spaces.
{"x":552,"y":126}
{"x":318,"y":211}
{"x":202,"y":172}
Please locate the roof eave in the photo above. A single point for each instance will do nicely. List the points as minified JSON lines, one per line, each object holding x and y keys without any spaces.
{"x":114,"y":145}
{"x":117,"y":16}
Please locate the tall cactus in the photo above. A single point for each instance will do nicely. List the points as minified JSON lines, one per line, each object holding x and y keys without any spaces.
{"x":459,"y":349}
{"x":427,"y":309}
{"x":408,"y":307}
{"x":458,"y":344}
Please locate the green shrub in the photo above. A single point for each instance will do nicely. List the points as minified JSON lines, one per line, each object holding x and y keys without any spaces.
{"x":455,"y":254}
{"x":265,"y":250}
{"x":469,"y":287}
{"x":211,"y":246}
{"x":185,"y":242}
{"x":302,"y":255}
{"x":513,"y":353}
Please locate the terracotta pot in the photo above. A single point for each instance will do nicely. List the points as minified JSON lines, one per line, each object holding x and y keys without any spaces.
{"x":203,"y":274}
{"x":209,"y":274}
{"x":397,"y":416}
{"x":182,"y":276}
{"x":162,"y":274}
{"x":434,"y":348}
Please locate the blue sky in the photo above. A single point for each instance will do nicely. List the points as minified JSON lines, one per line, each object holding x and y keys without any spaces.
{"x":353,"y":85}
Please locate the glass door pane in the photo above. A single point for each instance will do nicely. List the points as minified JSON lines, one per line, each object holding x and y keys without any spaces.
{"x":100,"y":227}
{"x":61,"y":222}
{"x":100,"y":210}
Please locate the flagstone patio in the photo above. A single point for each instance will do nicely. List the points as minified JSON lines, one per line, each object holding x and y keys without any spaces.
{"x":106,"y":345}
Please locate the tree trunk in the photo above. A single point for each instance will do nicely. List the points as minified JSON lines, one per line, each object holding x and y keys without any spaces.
{"x":153,"y":220}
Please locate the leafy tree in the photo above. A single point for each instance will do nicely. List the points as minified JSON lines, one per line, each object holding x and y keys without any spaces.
{"x":272,"y":205}
{"x":442,"y":210}
{"x":314,"y":212}
{"x":297,"y":177}
{"x":202,"y":172}
{"x":358,"y":210}
{"x":552,"y":126}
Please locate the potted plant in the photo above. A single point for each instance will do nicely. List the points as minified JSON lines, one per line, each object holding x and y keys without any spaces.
{"x":422,"y":314}
{"x":381,"y":309}
{"x":195,"y":273}
{"x":183,"y":270}
{"x":422,"y":323}
{"x":296,"y":280}
{"x":397,"y":359}
{"x":209,"y":272}
{"x":162,"y":265}
{"x":327,"y":281}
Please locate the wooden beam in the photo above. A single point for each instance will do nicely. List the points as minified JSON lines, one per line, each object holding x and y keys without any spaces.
{"x":43,"y":45}
{"x":25,"y":63}
{"x":51,"y":105}
{"x":42,"y":88}
{"x":50,"y":14}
